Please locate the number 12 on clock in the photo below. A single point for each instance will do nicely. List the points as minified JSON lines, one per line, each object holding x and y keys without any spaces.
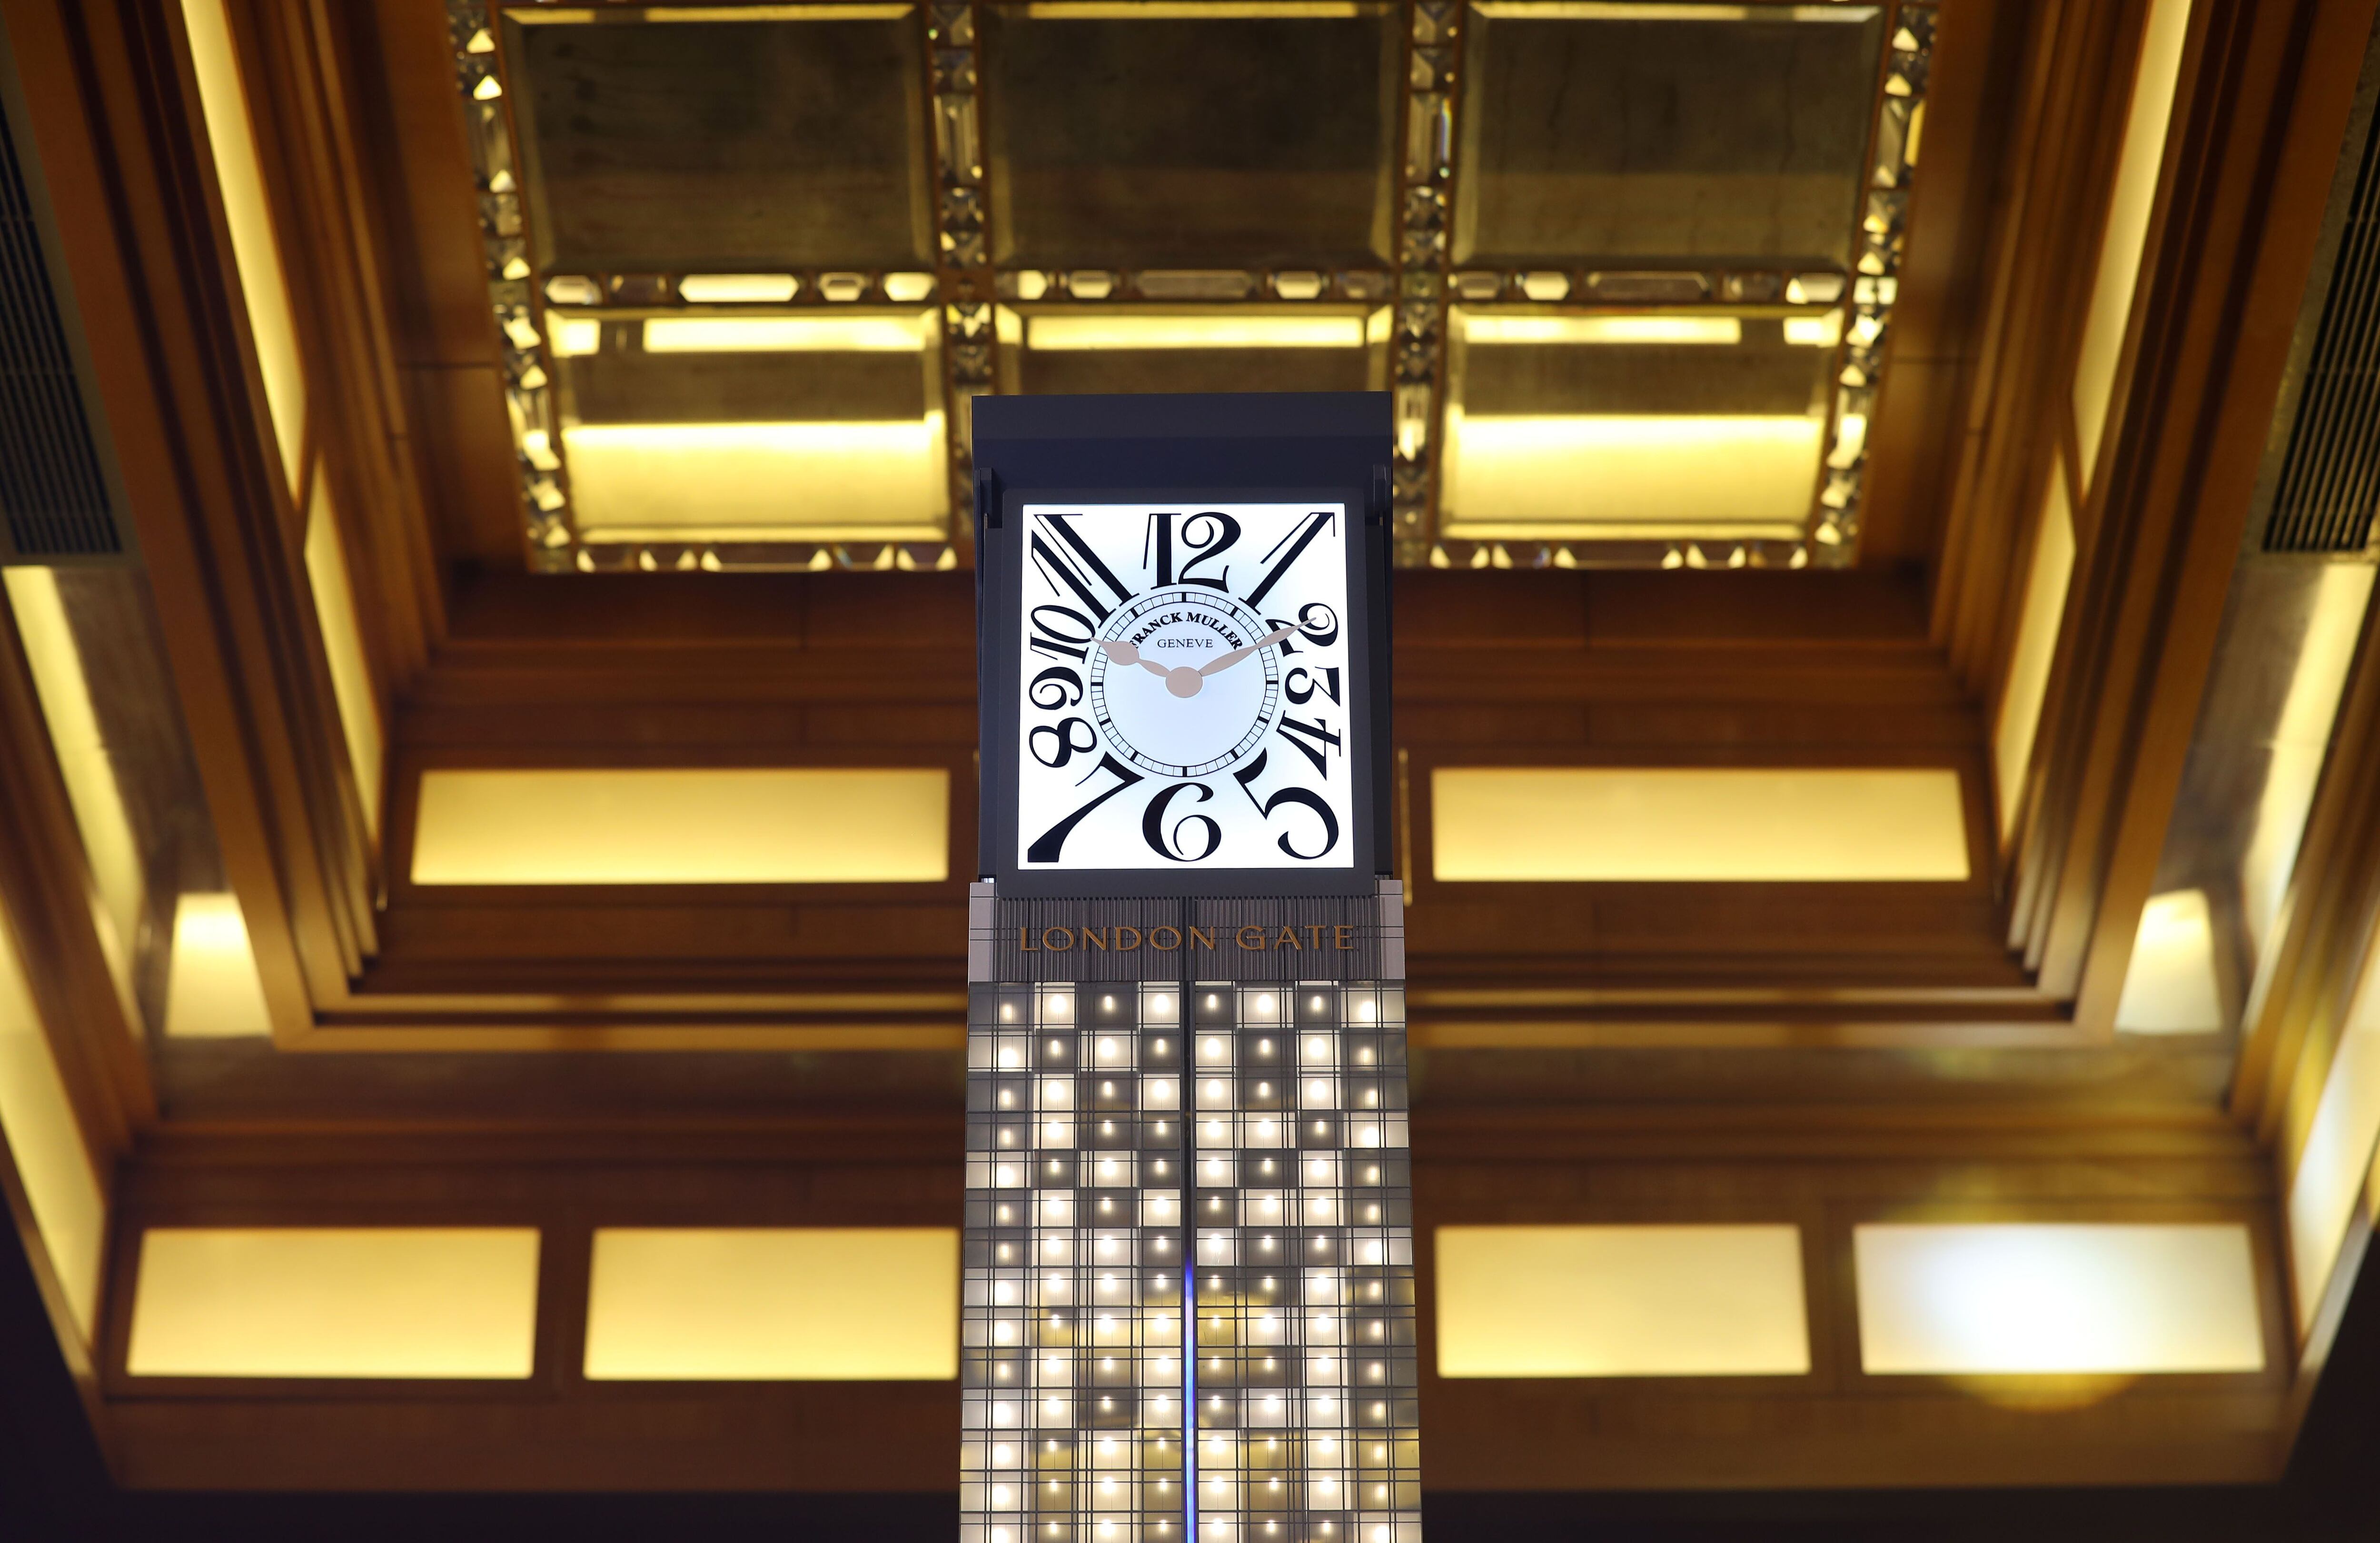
{"x":1184,"y":687}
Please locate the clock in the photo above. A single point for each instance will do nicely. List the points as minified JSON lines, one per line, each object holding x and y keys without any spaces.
{"x":1180,"y":677}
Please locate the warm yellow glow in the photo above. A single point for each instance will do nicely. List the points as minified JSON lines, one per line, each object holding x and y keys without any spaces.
{"x":1814,"y":332}
{"x":213,"y":992}
{"x":728,"y":288}
{"x":1541,"y":478}
{"x":774,"y":1304}
{"x":2129,"y":207}
{"x":405,"y":1302}
{"x":2330,"y":1172}
{"x":2170,"y":986}
{"x":1492,"y":329}
{"x":2036,"y":647}
{"x":343,"y":639}
{"x":2300,"y":741}
{"x":65,"y":691}
{"x":805,"y":825}
{"x":731,"y":482}
{"x":1125,"y":330}
{"x":44,"y":1143}
{"x":571,"y":336}
{"x":1621,"y":1301}
{"x":2057,"y":1297}
{"x":838,"y":333}
{"x":1750,"y":825}
{"x":232,"y":137}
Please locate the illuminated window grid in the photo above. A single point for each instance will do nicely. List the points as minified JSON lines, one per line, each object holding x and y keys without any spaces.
{"x":1071,"y":1335}
{"x":1305,"y":1317}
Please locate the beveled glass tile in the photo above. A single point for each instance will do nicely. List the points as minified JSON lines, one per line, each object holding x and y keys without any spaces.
{"x":672,"y":146}
{"x":1157,"y":138}
{"x":1688,"y":425}
{"x":1655,"y":133}
{"x":753,"y":425}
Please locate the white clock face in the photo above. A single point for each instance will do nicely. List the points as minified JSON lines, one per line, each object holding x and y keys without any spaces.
{"x":1185,"y":686}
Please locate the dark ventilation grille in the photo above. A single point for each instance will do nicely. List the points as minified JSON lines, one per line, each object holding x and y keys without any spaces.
{"x":2330,"y":479}
{"x":52,"y":495}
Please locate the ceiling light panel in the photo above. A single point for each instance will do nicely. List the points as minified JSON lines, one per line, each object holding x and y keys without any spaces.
{"x":2057,"y":1298}
{"x":1621,"y":1301}
{"x":775,"y":825}
{"x":1580,"y":824}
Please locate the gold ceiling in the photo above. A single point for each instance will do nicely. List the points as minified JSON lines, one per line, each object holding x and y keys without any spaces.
{"x":1629,"y":269}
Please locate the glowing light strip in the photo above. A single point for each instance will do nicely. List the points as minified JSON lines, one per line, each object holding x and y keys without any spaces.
{"x":785,"y":335}
{"x":1069,"y":334}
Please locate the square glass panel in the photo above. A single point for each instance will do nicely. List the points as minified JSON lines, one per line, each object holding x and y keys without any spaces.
{"x":759,"y":424}
{"x":1638,"y":426}
{"x":1172,"y":135}
{"x":1688,"y":134}
{"x":661,"y":142}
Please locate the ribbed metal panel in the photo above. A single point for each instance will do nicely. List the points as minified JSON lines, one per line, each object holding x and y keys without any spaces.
{"x":2330,"y":479}
{"x":53,"y":497}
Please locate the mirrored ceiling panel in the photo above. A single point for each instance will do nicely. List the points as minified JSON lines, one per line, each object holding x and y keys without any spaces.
{"x":1200,"y":134}
{"x":675,"y":141}
{"x":1694,"y":133}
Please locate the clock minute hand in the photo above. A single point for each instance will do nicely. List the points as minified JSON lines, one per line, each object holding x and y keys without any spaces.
{"x":1122,"y":652}
{"x":1227,"y":661}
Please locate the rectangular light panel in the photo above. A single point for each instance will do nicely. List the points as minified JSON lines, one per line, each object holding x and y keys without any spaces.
{"x":1115,"y":331}
{"x":1629,"y":475}
{"x":395,"y":1301}
{"x":2331,"y":1173}
{"x":807,"y":825}
{"x":2057,"y":1297}
{"x":41,"y":1138}
{"x":1752,"y":824}
{"x":2037,"y":648}
{"x":212,"y":989}
{"x":774,"y":1304}
{"x":1621,"y":1301}
{"x":860,"y":481}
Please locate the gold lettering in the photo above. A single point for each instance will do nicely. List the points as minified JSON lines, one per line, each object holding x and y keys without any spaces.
{"x":1288,"y":938}
{"x":1122,"y":946}
{"x":1060,"y":931}
{"x":1177,"y":937}
{"x":1343,"y":936}
{"x":1025,"y":940}
{"x":1095,"y":937}
{"x":1242,"y":937}
{"x":1203,"y":938}
{"x":1315,"y":933}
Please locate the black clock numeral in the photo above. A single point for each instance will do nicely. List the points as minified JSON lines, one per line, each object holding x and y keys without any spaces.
{"x":1224,"y":533}
{"x":1157,"y":548}
{"x":1299,"y":686}
{"x":1047,"y":846}
{"x":1297,"y":541}
{"x":1048,"y":688}
{"x":1303,"y":797}
{"x":1058,"y":568}
{"x":1061,"y":739}
{"x":1166,"y":841}
{"x":1050,"y":637}
{"x":1315,"y":740}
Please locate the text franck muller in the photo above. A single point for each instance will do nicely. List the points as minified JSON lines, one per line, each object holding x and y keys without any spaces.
{"x":1188,"y":1299}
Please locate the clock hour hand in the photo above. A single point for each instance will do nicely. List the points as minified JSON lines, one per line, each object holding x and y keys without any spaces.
{"x":1227,"y":661}
{"x":1122,"y":653}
